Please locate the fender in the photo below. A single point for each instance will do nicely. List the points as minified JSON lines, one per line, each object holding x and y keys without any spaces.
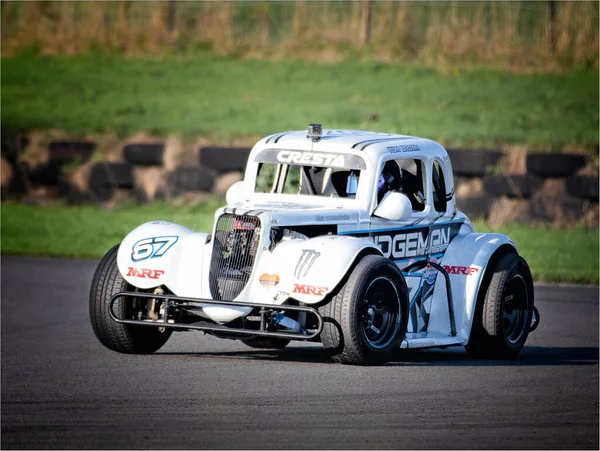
{"x":308,"y":270}
{"x":163,"y":253}
{"x":466,"y":260}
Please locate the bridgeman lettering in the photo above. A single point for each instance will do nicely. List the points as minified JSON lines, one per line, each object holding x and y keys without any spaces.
{"x":414,"y":244}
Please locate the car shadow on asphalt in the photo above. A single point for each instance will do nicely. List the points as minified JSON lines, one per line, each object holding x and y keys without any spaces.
{"x":529,"y":356}
{"x":308,"y":355}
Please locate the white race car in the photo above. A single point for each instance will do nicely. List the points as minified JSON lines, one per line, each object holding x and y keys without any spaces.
{"x":350,"y":238}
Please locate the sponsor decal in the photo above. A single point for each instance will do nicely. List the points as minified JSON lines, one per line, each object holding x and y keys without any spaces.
{"x":404,"y":148}
{"x":305,"y":262}
{"x":144,"y":273}
{"x":310,"y":289}
{"x":320,"y":218}
{"x":413,"y":244}
{"x":429,"y":272}
{"x":152,"y":247}
{"x":240,"y":224}
{"x":268,"y":280}
{"x":461,"y":270}
{"x":311,"y":158}
{"x":162,"y":223}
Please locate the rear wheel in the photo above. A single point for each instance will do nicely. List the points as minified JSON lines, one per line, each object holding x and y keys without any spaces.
{"x":123,"y":338}
{"x":368,"y":316}
{"x":503,"y":318}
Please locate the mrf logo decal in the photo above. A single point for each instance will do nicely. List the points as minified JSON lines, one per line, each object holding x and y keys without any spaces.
{"x":462,"y":270}
{"x":144,"y":273}
{"x":311,"y":158}
{"x":399,"y":244}
{"x":309,"y":289}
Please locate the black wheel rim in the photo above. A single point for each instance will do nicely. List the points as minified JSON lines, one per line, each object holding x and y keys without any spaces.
{"x":515,"y":309}
{"x":379,"y":313}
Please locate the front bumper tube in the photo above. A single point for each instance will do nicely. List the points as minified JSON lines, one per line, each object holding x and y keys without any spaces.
{"x":266,"y":311}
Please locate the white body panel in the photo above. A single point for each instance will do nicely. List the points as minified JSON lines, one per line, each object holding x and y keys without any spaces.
{"x":147,"y":259}
{"x":183,"y":268}
{"x":309,"y":270}
{"x":471,"y":251}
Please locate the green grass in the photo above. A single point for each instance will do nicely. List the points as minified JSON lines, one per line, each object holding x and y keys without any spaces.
{"x":224,"y":98}
{"x":86,"y":231}
{"x":555,"y":255}
{"x":89,"y":231}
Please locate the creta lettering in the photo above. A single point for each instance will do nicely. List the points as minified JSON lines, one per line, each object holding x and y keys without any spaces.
{"x":144,"y":273}
{"x":309,"y":289}
{"x":306,"y":158}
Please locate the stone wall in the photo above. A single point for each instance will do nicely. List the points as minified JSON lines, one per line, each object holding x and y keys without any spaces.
{"x":499,"y":186}
{"x":526,"y":187}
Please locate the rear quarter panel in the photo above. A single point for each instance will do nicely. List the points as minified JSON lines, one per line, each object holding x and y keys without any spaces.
{"x":466,"y":260}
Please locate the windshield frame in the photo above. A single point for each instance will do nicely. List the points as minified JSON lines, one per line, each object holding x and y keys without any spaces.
{"x":284,"y":159}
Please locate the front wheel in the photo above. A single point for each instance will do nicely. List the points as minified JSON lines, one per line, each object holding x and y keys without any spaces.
{"x":368,"y":315}
{"x":125,"y":338}
{"x":502,"y":320}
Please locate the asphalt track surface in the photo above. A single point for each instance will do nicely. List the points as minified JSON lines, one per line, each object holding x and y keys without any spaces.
{"x":62,"y":389}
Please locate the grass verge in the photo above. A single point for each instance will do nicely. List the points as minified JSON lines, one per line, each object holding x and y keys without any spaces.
{"x":224,"y":98}
{"x":88,"y":232}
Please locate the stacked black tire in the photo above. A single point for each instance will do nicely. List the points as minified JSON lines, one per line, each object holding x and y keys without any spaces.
{"x":185,"y":180}
{"x":50,"y":174}
{"x":470,"y":164}
{"x":141,"y":157}
{"x":580,"y":191}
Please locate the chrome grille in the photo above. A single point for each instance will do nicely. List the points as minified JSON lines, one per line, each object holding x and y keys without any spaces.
{"x":235,"y":245}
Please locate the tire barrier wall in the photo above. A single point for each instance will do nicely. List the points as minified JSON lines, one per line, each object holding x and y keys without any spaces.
{"x":560,"y":188}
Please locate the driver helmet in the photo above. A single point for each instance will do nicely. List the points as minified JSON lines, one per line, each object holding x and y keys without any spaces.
{"x":389,"y":180}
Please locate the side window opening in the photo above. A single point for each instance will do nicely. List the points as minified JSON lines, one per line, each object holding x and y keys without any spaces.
{"x":439,"y":189}
{"x":404,"y":176}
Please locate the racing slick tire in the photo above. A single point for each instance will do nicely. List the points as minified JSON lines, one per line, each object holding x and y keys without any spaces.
{"x":266,"y":343}
{"x":504,"y":312}
{"x":367,"y":317}
{"x":124,"y":338}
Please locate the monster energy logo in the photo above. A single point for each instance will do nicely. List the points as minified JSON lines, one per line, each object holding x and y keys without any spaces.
{"x":305,"y":262}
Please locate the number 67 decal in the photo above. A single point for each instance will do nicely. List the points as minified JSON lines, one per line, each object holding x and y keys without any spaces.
{"x":152,"y":247}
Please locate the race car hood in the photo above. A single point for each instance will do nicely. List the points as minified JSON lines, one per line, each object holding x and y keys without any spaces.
{"x":282,"y":214}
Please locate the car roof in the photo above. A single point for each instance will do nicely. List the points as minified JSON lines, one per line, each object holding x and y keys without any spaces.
{"x":372,"y":144}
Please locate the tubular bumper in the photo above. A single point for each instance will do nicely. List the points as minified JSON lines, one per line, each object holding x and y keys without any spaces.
{"x":264,"y":310}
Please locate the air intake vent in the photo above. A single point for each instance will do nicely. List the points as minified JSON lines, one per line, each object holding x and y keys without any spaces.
{"x":234,"y":251}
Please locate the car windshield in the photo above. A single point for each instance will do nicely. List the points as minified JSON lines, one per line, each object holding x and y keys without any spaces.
{"x":306,"y":180}
{"x":308,"y":173}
